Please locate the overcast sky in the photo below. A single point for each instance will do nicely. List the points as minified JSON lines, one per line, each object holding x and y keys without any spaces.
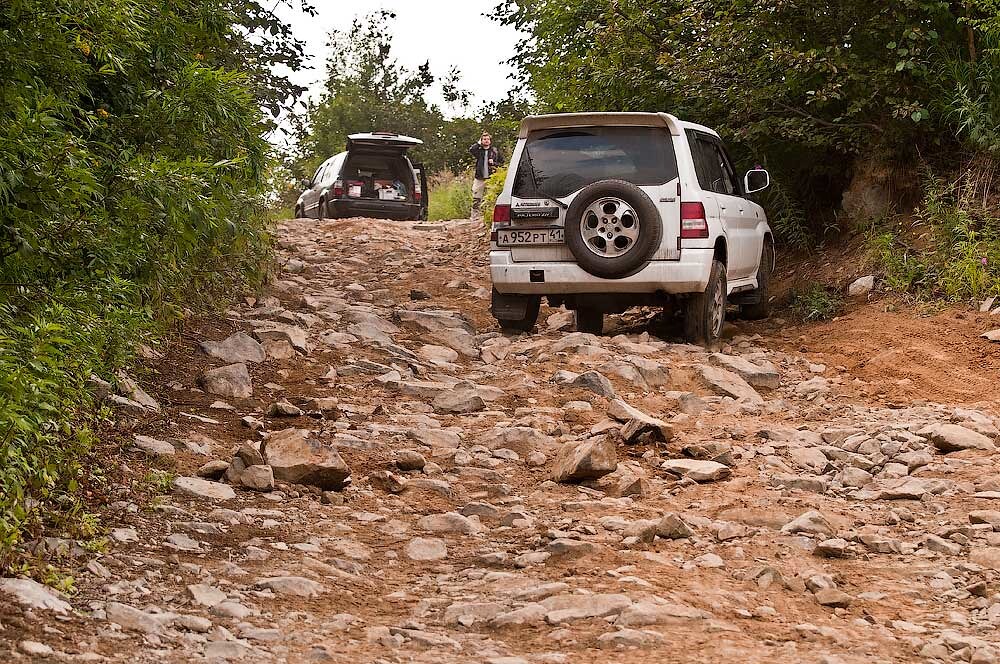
{"x":445,"y":32}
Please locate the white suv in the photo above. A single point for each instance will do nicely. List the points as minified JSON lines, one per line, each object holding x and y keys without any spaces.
{"x":603,"y":211}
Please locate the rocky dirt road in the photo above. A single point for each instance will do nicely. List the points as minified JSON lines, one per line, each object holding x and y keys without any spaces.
{"x":548,"y":498}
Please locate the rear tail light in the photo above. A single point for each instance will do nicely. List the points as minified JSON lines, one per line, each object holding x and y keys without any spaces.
{"x":694,"y":223}
{"x":501,"y":214}
{"x":418,"y":196}
{"x":338,"y":188}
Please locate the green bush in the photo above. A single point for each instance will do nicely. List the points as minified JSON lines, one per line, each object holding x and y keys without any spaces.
{"x":953,"y":249}
{"x":816,"y":303}
{"x":133,"y":183}
{"x":494,"y":186}
{"x":451,"y":197}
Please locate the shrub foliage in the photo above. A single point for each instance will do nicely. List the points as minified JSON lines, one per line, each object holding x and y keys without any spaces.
{"x":132,"y":183}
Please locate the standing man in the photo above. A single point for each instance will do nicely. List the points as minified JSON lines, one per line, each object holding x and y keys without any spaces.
{"x":488,"y":159}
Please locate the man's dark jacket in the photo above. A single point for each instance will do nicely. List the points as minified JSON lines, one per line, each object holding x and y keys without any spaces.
{"x":482,"y":155}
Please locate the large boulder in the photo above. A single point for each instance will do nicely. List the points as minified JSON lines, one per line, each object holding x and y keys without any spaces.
{"x":459,"y":400}
{"x":446,"y":327}
{"x":638,"y":422}
{"x":231,"y":381}
{"x":585,"y":460}
{"x":953,"y":438}
{"x":727,"y":383}
{"x":235,"y":349}
{"x":523,"y":440}
{"x":294,"y":335}
{"x":295,"y":457}
{"x":758,"y":375}
{"x":596,"y":383}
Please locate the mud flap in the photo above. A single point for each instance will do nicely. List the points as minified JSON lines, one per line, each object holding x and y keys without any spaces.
{"x":510,"y":307}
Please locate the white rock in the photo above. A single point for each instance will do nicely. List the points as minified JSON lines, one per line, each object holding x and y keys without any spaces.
{"x":154,"y":447}
{"x":696,"y":469}
{"x":424,"y":549}
{"x":201,"y":488}
{"x":861,"y":286}
{"x":235,"y":349}
{"x":231,"y":381}
{"x":33,"y":595}
{"x":291,"y":585}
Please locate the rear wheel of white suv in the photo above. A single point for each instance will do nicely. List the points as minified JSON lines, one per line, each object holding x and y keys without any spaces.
{"x":705,"y":313}
{"x":515,"y":313}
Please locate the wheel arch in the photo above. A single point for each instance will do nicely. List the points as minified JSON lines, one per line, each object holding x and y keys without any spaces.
{"x":721,"y":251}
{"x":769,"y":245}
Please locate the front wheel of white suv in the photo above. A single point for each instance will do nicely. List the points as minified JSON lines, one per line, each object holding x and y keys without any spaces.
{"x":705,"y":313}
{"x":760,"y":307}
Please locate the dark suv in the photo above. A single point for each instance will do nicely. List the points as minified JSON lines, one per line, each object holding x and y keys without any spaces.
{"x":373,"y":178}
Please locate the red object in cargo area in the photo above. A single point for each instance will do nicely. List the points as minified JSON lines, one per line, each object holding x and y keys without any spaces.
{"x":694,"y":224}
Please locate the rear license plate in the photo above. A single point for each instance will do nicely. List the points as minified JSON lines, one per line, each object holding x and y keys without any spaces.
{"x":530,"y":236}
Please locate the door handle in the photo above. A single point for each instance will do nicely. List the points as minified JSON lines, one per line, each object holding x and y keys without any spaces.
{"x":721,"y":206}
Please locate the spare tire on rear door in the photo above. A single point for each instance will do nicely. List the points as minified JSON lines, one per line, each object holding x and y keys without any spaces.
{"x":613,"y":229}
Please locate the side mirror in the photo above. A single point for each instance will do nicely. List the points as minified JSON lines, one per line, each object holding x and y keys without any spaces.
{"x":756,"y":180}
{"x":305,"y":184}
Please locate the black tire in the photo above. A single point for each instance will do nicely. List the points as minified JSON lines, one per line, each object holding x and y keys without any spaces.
{"x":321,"y":210}
{"x":643,"y":221}
{"x":761,"y":309}
{"x":501,"y":309}
{"x":703,"y":321}
{"x":298,"y":212}
{"x":590,"y":320}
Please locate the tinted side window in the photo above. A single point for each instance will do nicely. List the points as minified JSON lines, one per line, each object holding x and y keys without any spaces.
{"x":733,"y":183}
{"x":702,"y":161}
{"x":714,"y":170}
{"x":318,"y":177}
{"x":707,"y":164}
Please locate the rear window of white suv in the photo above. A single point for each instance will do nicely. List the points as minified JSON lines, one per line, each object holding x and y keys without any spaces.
{"x":558,"y":162}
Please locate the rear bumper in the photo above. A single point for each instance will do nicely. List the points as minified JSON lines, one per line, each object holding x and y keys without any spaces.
{"x":690,"y":274}
{"x":365,"y":207}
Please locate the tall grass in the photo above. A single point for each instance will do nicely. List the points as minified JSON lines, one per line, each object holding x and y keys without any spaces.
{"x":969,"y":93}
{"x":450,"y":196}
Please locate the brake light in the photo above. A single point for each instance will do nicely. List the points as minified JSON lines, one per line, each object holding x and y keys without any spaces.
{"x":417,"y":196}
{"x":338,"y":189}
{"x":694,"y":223}
{"x":501,"y":214}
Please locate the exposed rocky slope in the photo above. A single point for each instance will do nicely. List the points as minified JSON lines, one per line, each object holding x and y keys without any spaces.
{"x":367,"y":471}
